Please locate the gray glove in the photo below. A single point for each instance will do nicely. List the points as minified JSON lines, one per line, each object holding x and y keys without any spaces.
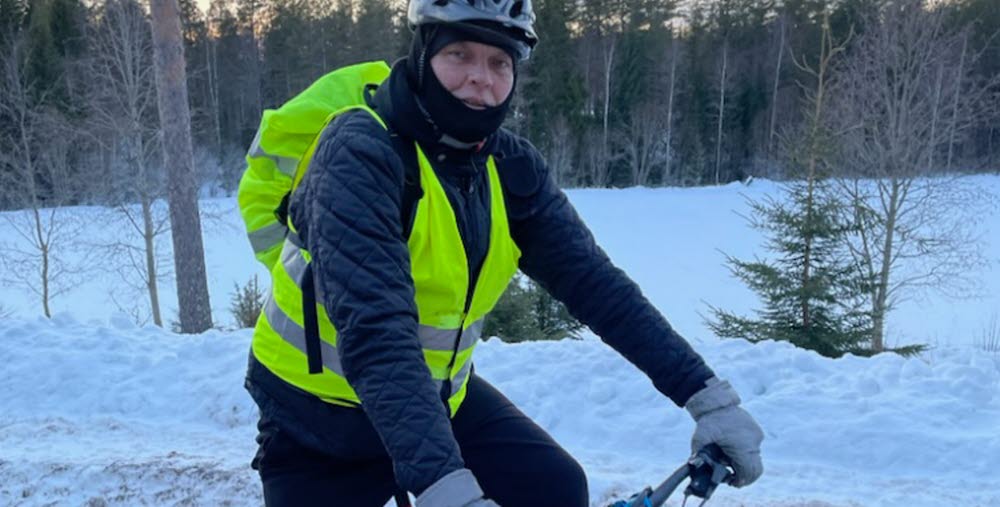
{"x":457,"y":489}
{"x":720,"y":420}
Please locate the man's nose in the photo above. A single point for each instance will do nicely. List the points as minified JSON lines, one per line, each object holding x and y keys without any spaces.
{"x":479,"y":74}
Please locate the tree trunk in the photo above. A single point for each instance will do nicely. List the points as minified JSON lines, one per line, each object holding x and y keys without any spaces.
{"x":880,"y":306}
{"x":670,"y":110}
{"x":827,"y":52}
{"x":28,"y":178}
{"x":722,"y":110}
{"x":954,"y":108}
{"x":255,"y":68}
{"x":774,"y":89}
{"x":934,"y":118}
{"x":44,"y":251}
{"x":805,"y":309}
{"x":878,"y":327}
{"x":609,"y":58}
{"x":148,"y":231}
{"x":212,"y":66}
{"x":149,"y":237}
{"x":990,"y":150}
{"x":175,"y":119}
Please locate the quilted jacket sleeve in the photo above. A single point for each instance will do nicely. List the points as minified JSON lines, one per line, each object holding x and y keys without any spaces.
{"x":559,"y":252}
{"x":347,"y":213}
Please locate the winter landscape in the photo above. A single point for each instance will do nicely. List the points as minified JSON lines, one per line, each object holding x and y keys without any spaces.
{"x":647,"y":110}
{"x":95,"y":410}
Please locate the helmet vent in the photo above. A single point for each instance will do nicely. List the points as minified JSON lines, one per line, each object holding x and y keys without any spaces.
{"x":516,"y":9}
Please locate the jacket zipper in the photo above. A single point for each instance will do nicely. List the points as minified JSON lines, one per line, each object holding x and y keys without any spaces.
{"x":467,"y":189}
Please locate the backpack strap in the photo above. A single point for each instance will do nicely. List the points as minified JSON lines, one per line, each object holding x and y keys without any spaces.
{"x":406,"y":148}
{"x":310,"y":322}
{"x":412,"y":192}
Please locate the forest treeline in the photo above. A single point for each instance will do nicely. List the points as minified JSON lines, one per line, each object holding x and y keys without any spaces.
{"x":618,"y":93}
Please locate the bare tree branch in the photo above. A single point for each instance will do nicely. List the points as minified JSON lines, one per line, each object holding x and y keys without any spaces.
{"x":914,"y":230}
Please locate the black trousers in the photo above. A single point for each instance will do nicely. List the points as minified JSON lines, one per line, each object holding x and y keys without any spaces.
{"x":515,"y":461}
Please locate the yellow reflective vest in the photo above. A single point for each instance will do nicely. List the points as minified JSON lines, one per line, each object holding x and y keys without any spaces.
{"x":450,"y":316}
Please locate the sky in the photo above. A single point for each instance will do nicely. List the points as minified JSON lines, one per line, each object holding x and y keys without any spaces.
{"x":97,"y":410}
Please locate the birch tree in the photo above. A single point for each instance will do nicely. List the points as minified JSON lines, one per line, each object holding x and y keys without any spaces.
{"x":726,"y":18}
{"x":608,"y":54}
{"x":559,"y":152}
{"x":642,"y":142}
{"x":667,"y":173}
{"x":123,"y":110}
{"x":957,"y":96}
{"x":596,"y":158}
{"x":212,"y":84}
{"x":777,"y":80}
{"x":721,"y":109}
{"x":914,"y":231}
{"x":35,"y":179}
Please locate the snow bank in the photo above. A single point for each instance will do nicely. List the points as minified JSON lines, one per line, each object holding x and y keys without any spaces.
{"x":110,"y":414}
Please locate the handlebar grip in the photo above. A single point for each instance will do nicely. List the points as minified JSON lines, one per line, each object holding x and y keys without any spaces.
{"x":708,"y":470}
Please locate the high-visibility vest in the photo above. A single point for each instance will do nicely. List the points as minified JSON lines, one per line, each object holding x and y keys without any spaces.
{"x":450,"y":316}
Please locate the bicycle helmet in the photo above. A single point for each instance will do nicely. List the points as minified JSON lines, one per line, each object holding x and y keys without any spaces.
{"x":510,"y":22}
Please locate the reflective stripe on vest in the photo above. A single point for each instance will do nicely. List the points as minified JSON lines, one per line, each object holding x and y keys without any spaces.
{"x":267,"y":236}
{"x":449,"y":325}
{"x":286,"y":165}
{"x":440,"y":340}
{"x":431,"y":338}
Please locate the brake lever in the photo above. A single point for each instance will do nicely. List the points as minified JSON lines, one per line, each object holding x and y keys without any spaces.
{"x":707,"y":469}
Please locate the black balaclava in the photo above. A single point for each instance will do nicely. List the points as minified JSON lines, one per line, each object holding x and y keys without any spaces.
{"x":450,"y":115}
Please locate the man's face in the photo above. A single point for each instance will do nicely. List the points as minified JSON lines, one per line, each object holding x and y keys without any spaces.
{"x":477,"y":74}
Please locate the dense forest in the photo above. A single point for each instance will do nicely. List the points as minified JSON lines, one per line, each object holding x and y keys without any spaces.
{"x":849,"y":102}
{"x":618,"y":93}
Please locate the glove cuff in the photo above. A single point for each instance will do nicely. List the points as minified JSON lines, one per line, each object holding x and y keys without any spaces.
{"x":456,"y":489}
{"x":715,"y":395}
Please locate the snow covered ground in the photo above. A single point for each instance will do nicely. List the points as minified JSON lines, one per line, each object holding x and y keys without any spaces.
{"x":97,"y":411}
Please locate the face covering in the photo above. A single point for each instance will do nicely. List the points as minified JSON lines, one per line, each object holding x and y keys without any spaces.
{"x":449,"y":114}
{"x":456,"y":119}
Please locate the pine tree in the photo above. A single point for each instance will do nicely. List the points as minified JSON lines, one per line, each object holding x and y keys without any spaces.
{"x":375,"y":30}
{"x":813,"y":294}
{"x":12,"y":17}
{"x":526,"y":312}
{"x":286,"y":45}
{"x":551,"y":85}
{"x":694,"y":100}
{"x":246,"y":303}
{"x":175,"y":123}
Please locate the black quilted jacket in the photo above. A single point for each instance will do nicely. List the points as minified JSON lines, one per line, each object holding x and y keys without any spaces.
{"x":347,"y":212}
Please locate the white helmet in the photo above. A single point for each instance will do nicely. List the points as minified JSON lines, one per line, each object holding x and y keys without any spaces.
{"x":514,"y":18}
